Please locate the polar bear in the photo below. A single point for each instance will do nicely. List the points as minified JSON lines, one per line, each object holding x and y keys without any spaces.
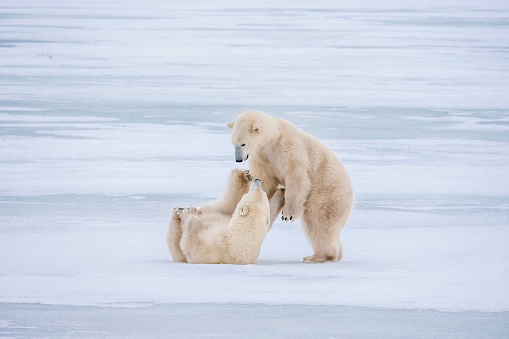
{"x":318,"y":189}
{"x":218,"y":213}
{"x":229,"y":231}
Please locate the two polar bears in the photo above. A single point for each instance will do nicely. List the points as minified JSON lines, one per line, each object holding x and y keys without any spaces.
{"x":317,"y":188}
{"x":229,"y":231}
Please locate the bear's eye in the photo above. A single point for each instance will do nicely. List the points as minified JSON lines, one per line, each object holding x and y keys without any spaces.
{"x":243,"y":145}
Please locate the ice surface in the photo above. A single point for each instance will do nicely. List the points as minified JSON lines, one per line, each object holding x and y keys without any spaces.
{"x":246,"y":321}
{"x":113,"y":112}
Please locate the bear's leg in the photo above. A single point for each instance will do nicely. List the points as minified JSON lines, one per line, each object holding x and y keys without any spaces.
{"x":276,"y":205}
{"x":238,"y":185}
{"x":174,"y":236}
{"x":186,"y":215}
{"x":192,"y":226}
{"x":325,"y":243}
{"x":324,"y":231}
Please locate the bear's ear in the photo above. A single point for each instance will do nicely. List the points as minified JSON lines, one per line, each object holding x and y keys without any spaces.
{"x":243,"y":210}
{"x":255,"y":127}
{"x":230,"y":125}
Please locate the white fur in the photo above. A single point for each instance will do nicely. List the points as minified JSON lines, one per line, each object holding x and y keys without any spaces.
{"x":229,"y":231}
{"x":317,"y":186}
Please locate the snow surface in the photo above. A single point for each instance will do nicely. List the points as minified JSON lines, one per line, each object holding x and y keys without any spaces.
{"x":113,"y":112}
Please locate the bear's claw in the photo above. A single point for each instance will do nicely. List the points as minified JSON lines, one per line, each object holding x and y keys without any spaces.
{"x":247,"y":175}
{"x":182,"y":212}
{"x":287,"y":218}
{"x":178,"y":210}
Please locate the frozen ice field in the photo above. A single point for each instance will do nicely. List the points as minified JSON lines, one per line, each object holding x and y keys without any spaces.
{"x":113,"y":112}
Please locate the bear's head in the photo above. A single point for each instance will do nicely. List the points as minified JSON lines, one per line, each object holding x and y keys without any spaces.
{"x":250,"y":131}
{"x":254,"y":203}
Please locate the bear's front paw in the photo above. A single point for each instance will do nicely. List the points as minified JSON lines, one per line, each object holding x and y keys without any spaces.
{"x":247,"y":175}
{"x":285,"y":216}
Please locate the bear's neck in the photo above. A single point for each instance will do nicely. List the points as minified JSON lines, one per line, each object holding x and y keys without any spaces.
{"x":272,"y":136}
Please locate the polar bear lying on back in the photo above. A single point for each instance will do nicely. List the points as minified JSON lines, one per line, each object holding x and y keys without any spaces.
{"x":229,"y":231}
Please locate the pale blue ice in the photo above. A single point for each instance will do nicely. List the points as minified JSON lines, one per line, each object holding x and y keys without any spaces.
{"x":113,"y":112}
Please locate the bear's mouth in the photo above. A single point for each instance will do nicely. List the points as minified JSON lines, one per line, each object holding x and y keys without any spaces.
{"x":241,"y":160}
{"x":238,"y":154}
{"x":255,"y":184}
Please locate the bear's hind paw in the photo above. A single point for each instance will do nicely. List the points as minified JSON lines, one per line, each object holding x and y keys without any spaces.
{"x":189,"y":211}
{"x":178,"y":210}
{"x":313,"y":259}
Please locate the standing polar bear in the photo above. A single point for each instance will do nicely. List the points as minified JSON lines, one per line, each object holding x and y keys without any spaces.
{"x":317,"y":186}
{"x":229,"y":231}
